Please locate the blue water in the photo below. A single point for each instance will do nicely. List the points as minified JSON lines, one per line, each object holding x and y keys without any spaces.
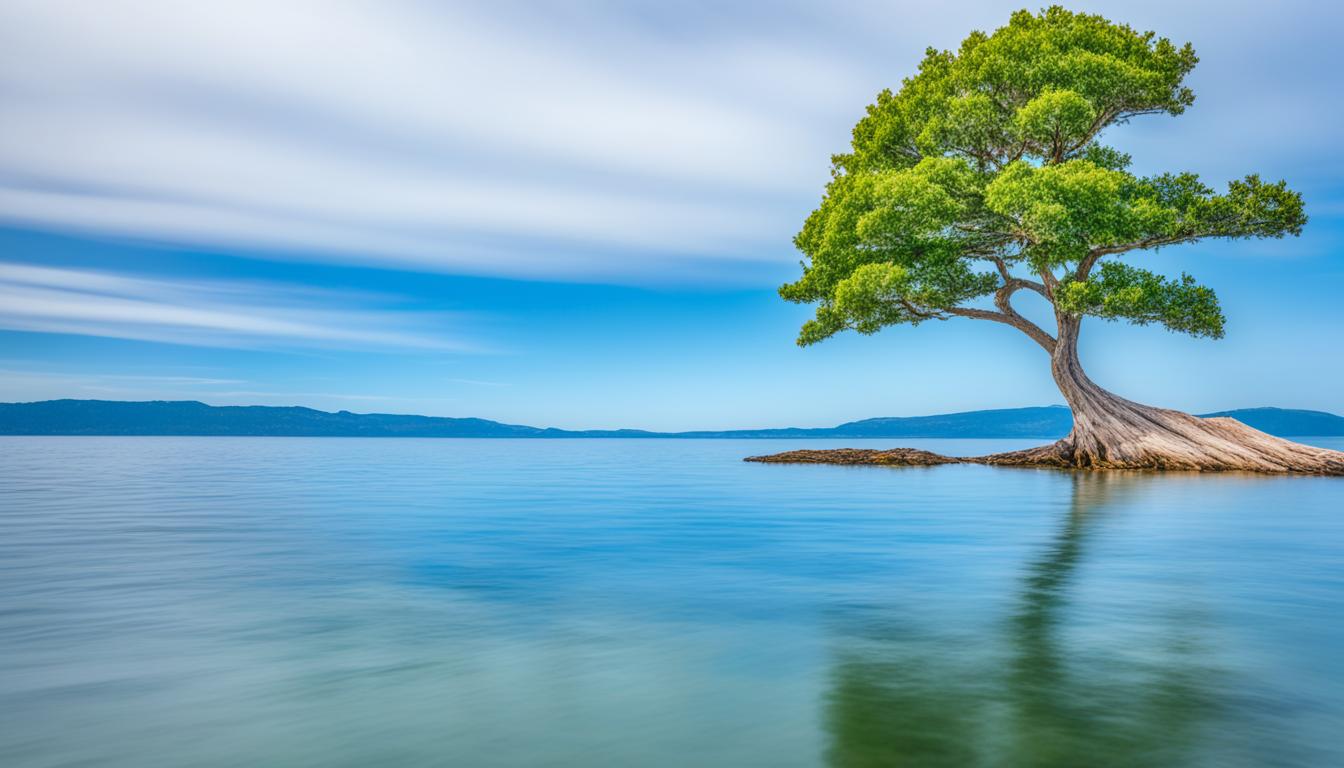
{"x":347,"y":602}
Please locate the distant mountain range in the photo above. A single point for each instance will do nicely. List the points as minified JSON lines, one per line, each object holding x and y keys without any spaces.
{"x":110,"y":417}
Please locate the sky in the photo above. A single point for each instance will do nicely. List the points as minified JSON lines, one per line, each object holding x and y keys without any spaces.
{"x":577,"y":214}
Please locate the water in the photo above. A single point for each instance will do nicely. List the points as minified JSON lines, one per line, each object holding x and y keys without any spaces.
{"x":343,"y":602}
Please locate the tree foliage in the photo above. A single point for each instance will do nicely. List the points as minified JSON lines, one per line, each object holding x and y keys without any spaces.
{"x":985,"y":175}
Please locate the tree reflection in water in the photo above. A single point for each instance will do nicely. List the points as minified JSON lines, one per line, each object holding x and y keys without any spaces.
{"x":1032,"y":693}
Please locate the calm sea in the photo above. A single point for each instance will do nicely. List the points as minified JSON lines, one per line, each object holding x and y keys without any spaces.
{"x":350,"y":602}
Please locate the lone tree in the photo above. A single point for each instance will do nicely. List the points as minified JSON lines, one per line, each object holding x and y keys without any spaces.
{"x":984,"y":177}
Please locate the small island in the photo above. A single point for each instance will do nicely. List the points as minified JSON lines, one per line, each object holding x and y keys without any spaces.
{"x":1305,"y":459}
{"x":984,"y":178}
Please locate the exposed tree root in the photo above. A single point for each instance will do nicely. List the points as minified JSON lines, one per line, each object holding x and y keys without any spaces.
{"x":1110,"y":432}
{"x":1133,"y":437}
{"x":1175,"y":440}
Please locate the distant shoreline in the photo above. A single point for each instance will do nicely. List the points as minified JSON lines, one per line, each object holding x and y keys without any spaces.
{"x":111,"y":418}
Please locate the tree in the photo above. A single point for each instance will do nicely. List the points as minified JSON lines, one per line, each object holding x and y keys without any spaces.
{"x":985,"y":178}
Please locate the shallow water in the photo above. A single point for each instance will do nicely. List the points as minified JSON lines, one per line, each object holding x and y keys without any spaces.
{"x":306,"y":602}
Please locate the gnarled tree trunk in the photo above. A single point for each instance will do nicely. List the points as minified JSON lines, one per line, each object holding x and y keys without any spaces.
{"x":1112,"y":432}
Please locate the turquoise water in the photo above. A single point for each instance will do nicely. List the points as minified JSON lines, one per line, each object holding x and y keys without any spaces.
{"x":319,"y":602}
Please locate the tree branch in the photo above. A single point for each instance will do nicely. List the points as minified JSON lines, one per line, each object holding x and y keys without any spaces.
{"x":1017,"y":321}
{"x":1049,"y":281}
{"x":1016,"y":282}
{"x":1105,"y":118}
{"x":922,"y":314}
{"x":1089,"y":261}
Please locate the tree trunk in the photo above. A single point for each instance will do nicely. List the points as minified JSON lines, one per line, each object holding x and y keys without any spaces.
{"x":1110,"y":432}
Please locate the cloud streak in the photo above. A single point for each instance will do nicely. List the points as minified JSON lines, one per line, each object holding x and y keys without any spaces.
{"x":441,"y":138}
{"x":206,"y":313}
{"x":615,"y":141}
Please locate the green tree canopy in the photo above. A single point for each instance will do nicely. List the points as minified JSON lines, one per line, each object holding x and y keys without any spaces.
{"x":984,"y":175}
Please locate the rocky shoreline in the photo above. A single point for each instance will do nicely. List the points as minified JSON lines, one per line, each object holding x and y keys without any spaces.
{"x":906,"y":457}
{"x":1304,"y":460}
{"x":900,"y":457}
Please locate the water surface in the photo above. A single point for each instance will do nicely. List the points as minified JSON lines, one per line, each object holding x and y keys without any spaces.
{"x":361,"y":602}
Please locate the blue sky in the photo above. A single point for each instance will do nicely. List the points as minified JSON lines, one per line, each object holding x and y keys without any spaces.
{"x":576,"y":214}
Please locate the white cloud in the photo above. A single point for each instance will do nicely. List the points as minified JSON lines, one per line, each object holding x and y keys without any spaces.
{"x":208,"y":313}
{"x":608,"y":140}
{"x":441,"y":138}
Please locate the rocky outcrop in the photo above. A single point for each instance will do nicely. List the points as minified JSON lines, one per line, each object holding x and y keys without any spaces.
{"x":1138,"y":438}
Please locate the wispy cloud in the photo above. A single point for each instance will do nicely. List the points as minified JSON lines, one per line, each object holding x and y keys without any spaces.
{"x":556,"y":140}
{"x":449,"y":137}
{"x":110,"y":381}
{"x":207,"y":313}
{"x":185,"y":381}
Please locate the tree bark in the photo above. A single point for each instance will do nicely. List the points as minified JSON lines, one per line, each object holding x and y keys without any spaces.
{"x":1110,"y":432}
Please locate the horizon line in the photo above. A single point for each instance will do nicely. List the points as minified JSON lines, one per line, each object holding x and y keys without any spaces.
{"x":635,"y":429}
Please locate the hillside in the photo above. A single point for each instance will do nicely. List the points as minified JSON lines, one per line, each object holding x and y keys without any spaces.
{"x":107,"y":417}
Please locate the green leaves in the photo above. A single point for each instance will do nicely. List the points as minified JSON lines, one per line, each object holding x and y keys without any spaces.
{"x":1251,"y":208}
{"x":1113,"y":67}
{"x":993,"y":155}
{"x":1105,"y":157}
{"x":866,"y":301}
{"x":919,"y":203}
{"x":1061,"y":210}
{"x":904,"y":216}
{"x":1054,"y":122}
{"x":1119,"y":291}
{"x":1065,"y":211}
{"x":1043,"y":86}
{"x":967,"y":124}
{"x":874,"y":296}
